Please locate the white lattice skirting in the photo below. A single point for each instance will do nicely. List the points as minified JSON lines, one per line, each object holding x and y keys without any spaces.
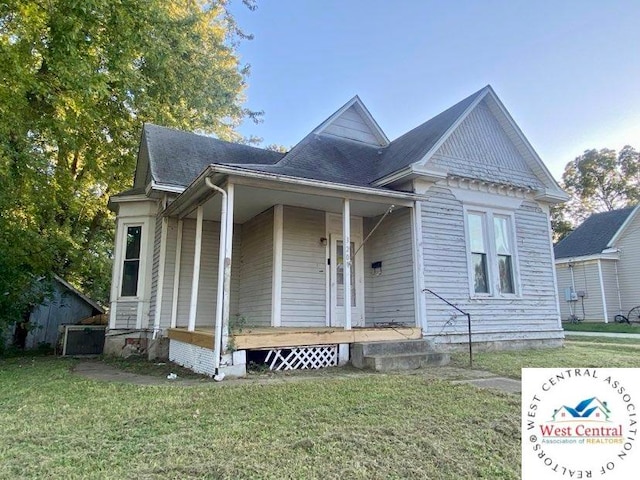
{"x":299,"y":358}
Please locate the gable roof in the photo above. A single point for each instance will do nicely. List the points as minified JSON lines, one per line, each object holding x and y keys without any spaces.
{"x":415,"y":144}
{"x":333,"y":152}
{"x":594,"y":235}
{"x":77,"y":292}
{"x":342,"y":122}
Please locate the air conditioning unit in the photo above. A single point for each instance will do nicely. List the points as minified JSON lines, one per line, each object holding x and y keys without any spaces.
{"x":83,"y":339}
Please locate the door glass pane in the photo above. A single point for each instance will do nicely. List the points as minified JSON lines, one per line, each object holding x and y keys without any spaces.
{"x":340,"y":275}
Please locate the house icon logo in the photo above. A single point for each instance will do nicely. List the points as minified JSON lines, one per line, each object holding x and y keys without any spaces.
{"x":591,"y":409}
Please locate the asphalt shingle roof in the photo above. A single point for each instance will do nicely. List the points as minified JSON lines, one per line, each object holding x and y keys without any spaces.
{"x":593,"y":235}
{"x":177,"y":157}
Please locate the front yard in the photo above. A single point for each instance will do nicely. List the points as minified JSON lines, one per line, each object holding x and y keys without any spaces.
{"x":56,"y":424}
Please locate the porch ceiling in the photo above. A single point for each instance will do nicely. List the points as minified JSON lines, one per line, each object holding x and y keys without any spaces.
{"x":249,"y":201}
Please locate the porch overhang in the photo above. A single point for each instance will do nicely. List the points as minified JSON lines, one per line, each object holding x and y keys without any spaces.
{"x":258,"y":191}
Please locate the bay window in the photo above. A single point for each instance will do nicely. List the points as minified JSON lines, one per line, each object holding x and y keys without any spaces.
{"x":131,"y":262}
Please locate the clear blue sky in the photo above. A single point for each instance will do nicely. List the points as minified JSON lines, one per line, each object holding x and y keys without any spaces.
{"x":568,"y":71}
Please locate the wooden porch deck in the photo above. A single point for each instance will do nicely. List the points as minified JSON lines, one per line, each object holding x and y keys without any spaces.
{"x":255,"y":338}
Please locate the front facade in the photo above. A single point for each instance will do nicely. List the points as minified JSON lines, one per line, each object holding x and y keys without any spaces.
{"x":598,"y":267}
{"x":226,"y":252}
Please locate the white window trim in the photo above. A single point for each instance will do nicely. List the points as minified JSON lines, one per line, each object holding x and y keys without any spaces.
{"x":143,"y":223}
{"x":492,"y":255}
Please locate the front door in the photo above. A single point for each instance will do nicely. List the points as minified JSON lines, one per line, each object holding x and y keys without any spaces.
{"x":337,"y":283}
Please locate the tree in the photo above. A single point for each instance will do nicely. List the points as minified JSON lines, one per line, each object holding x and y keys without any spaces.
{"x":598,"y":181}
{"x":78,"y":80}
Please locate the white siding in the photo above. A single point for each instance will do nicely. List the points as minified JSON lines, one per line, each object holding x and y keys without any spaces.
{"x":389,"y":296}
{"x":126,"y":314}
{"x":352,"y":126}
{"x":303,"y":268}
{"x":611,"y":288}
{"x":445,"y":269}
{"x":480,"y":148}
{"x":587,"y":280}
{"x":169,"y":271}
{"x":563,"y":274}
{"x":629,"y":265}
{"x":256,"y":269}
{"x":155,"y":267}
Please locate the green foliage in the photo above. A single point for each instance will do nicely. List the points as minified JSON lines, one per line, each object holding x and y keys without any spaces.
{"x":78,"y":81}
{"x":598,"y":181}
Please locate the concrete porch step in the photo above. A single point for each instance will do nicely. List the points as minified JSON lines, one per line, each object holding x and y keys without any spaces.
{"x":396,"y":355}
{"x":406,"y":361}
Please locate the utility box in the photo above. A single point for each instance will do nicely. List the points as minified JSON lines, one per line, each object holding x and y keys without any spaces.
{"x":570,"y":295}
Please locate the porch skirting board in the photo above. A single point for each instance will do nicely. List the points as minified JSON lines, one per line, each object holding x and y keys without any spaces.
{"x":200,"y":359}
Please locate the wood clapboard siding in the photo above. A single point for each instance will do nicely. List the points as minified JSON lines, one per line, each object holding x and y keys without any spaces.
{"x":629,"y":265}
{"x":155,"y":268}
{"x":389,"y":296}
{"x":480,"y":148}
{"x":126,"y":314}
{"x":351,"y":125}
{"x":303,"y":268}
{"x":256,"y":269}
{"x":445,"y":269}
{"x":610,"y":282}
{"x":207,"y":292}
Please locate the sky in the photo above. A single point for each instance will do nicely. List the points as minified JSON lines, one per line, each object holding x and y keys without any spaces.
{"x":567,"y":71}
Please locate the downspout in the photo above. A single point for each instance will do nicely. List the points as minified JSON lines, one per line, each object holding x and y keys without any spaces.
{"x":217,"y":336}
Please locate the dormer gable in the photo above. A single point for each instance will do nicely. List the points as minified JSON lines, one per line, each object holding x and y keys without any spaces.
{"x":354,"y":122}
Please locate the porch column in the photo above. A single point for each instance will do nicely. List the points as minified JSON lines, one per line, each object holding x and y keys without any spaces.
{"x":228,"y":246}
{"x":195,"y":282}
{"x":418,"y":267}
{"x":176,"y":276}
{"x":346,"y":261}
{"x":276,"y":288}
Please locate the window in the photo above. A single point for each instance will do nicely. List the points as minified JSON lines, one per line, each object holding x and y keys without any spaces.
{"x":478,"y":252}
{"x":503,"y":253}
{"x":131,"y":264}
{"x":491,"y":253}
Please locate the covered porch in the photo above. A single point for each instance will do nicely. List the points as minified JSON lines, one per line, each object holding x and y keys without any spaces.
{"x":294,"y":264}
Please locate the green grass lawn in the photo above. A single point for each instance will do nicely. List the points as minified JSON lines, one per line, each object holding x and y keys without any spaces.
{"x":56,"y":424}
{"x":593,"y":352}
{"x":602,"y":327}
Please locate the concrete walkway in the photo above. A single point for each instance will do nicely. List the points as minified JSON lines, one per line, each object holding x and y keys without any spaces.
{"x":602,"y":334}
{"x":100,"y":371}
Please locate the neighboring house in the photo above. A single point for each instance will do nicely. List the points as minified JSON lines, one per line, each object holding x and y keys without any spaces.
{"x":224,"y":250}
{"x":598,"y":266}
{"x":65,"y":305}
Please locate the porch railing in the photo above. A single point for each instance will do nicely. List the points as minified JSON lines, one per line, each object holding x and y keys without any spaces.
{"x":468,"y":315}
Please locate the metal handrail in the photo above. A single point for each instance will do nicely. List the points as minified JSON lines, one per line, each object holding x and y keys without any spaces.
{"x":468,"y":315}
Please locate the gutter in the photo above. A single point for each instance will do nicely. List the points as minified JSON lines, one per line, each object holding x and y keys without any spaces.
{"x":224,"y":275}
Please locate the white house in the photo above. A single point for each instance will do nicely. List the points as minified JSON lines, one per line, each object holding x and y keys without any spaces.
{"x":226,"y":250}
{"x":598,"y":266}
